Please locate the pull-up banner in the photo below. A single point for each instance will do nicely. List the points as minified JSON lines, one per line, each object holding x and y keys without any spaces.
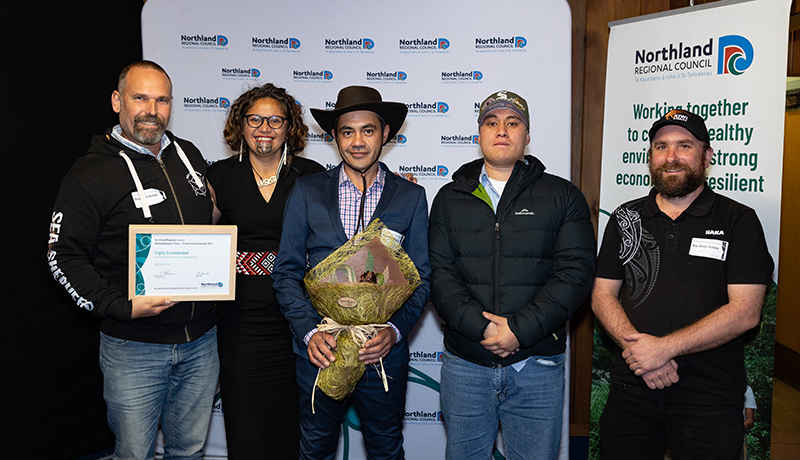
{"x":725,"y":61}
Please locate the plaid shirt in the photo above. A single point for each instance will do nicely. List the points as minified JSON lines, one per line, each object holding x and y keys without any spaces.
{"x":350,"y":201}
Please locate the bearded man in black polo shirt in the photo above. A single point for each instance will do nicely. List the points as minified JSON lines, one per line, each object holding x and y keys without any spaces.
{"x":681,"y":275}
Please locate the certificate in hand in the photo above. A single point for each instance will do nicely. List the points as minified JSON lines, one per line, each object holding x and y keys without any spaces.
{"x":182,"y":262}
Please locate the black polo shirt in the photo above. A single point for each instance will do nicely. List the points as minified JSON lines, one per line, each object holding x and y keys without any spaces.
{"x":676,"y":272}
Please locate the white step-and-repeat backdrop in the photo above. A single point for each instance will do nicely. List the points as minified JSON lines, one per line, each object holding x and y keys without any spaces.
{"x":440,"y":58}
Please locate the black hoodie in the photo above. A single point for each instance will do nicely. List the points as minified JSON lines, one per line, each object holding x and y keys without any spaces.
{"x":88,"y":251}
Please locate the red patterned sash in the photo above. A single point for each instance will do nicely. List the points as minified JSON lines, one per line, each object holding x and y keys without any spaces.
{"x":255,"y":263}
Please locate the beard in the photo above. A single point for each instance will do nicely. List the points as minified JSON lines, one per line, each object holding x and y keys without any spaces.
{"x":677,"y":186}
{"x":148,"y":135}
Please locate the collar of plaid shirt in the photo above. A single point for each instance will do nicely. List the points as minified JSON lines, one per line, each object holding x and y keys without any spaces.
{"x":350,"y":200}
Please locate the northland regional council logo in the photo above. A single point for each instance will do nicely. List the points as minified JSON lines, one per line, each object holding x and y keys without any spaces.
{"x":213,"y":285}
{"x":459,"y":140}
{"x":688,"y":60}
{"x":312,"y":75}
{"x":418,"y":357}
{"x":349,"y":45}
{"x":459,"y":76}
{"x":428,"y":109}
{"x":200,"y":41}
{"x":399,"y":140}
{"x":318,"y":138}
{"x":423,"y":417}
{"x":206,"y":104}
{"x":236,"y":73}
{"x":383,"y":76}
{"x":275,"y":44}
{"x":424,"y":45}
{"x":500,"y":44}
{"x":435,"y":172}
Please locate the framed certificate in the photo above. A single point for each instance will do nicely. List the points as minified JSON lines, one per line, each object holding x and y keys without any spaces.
{"x":182,"y":262}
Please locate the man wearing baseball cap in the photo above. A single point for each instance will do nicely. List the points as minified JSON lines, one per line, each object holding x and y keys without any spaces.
{"x":512,"y":257}
{"x":681,"y":275}
{"x":324,"y":211}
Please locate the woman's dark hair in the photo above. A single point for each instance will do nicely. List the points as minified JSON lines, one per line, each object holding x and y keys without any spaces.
{"x":234,"y":126}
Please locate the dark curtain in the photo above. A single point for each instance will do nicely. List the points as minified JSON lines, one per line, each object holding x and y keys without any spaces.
{"x":60,"y":64}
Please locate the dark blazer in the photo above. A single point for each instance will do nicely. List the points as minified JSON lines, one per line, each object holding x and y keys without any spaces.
{"x":312,"y":228}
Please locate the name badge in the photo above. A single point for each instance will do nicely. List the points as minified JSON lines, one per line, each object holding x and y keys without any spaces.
{"x":152,"y":195}
{"x":392,"y":239}
{"x":712,"y":249}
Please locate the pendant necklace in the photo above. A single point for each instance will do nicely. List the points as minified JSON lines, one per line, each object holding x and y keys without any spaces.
{"x":264,"y":182}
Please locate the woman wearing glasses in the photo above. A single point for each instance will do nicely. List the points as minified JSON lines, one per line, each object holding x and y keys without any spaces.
{"x":266,"y":132}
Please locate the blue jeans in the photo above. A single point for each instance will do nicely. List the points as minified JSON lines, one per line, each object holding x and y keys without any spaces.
{"x":381,"y":414}
{"x":527,"y":405}
{"x":143,"y":382}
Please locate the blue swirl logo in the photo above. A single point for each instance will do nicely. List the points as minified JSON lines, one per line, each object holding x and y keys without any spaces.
{"x":442,"y":43}
{"x":222,"y":40}
{"x":477,"y":75}
{"x":368,"y":44}
{"x":735,"y":55}
{"x":224,"y":102}
{"x":520,"y":42}
{"x":441,"y":171}
{"x":255,"y":73}
{"x":401,"y":75}
{"x":294,"y":43}
{"x":442,"y":107}
{"x":327,"y":75}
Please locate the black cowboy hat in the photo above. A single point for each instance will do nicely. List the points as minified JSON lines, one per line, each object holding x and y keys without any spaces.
{"x":354,"y":98}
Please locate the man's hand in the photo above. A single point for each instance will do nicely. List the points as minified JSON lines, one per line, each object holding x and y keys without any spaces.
{"x":646,"y":353}
{"x":319,"y":349}
{"x":504,"y":342}
{"x":663,"y":377}
{"x":490,"y":331}
{"x":145,"y":306}
{"x":378,"y":347}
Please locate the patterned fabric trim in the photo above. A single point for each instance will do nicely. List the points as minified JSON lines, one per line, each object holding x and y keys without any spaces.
{"x":255,"y":263}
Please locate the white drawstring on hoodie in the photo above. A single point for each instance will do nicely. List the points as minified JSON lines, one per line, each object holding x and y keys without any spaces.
{"x":140,"y":190}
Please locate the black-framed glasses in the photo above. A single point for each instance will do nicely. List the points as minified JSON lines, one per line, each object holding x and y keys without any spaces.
{"x":274,"y":121}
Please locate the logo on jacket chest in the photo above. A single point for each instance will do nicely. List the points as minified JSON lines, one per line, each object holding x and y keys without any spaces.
{"x":524,"y":212}
{"x":199,"y":189}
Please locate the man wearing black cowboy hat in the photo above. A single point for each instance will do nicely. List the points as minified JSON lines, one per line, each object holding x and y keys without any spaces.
{"x":681,"y":275}
{"x":324,"y":211}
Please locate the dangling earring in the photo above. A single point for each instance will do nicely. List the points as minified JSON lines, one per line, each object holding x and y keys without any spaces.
{"x":241,"y":144}
{"x":284,"y":157}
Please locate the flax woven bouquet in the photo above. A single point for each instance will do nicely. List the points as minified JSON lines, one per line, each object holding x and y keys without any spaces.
{"x":356,"y":290}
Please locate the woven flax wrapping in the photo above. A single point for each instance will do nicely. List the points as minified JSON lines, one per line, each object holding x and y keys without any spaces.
{"x":336,"y":293}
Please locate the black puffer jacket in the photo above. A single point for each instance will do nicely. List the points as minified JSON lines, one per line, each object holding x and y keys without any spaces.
{"x":532,"y":262}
